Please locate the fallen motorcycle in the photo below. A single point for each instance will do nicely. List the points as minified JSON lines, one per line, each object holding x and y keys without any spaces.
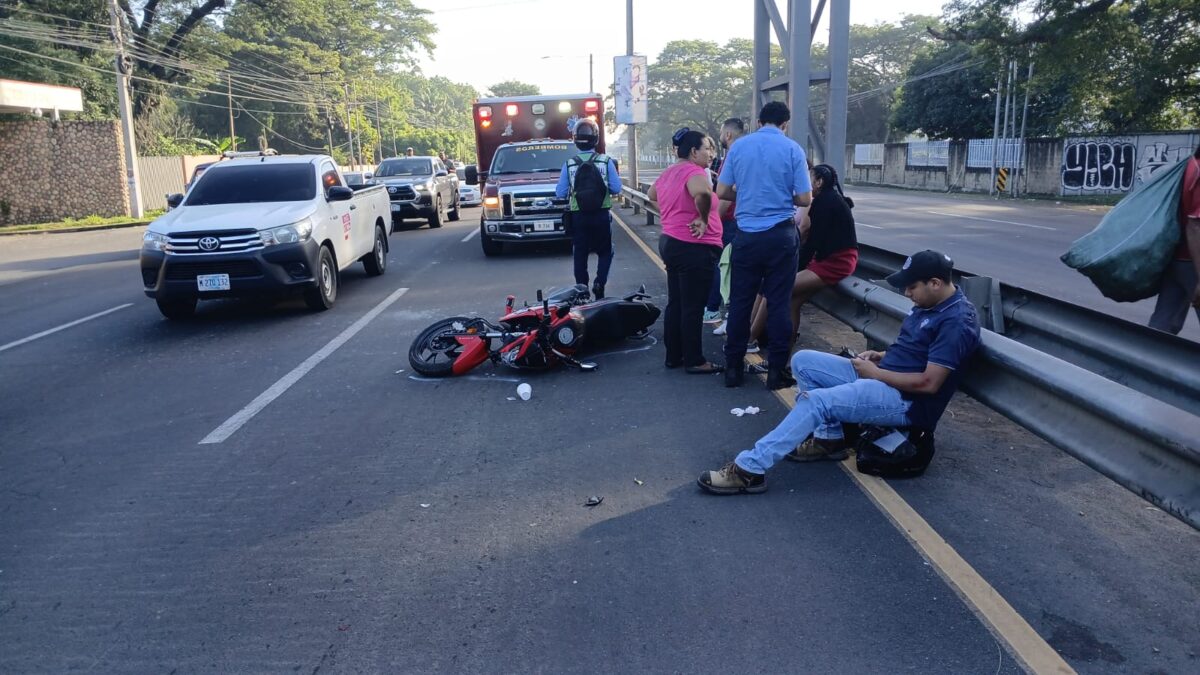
{"x":556,"y":330}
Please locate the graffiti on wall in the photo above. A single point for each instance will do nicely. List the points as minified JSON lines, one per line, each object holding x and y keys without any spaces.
{"x":1112,"y":165}
{"x":1098,"y":165}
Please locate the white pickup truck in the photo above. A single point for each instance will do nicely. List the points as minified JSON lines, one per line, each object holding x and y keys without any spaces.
{"x":269,"y":225}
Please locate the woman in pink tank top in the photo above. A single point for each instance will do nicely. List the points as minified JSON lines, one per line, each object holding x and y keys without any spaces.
{"x":690,"y":246}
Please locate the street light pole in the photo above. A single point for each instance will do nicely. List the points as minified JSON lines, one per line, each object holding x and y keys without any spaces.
{"x":591,"y":75}
{"x":633,"y":158}
{"x":131,"y":157}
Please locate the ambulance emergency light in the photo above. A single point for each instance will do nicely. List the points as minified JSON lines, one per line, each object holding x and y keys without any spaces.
{"x":510,"y":109}
{"x":591,"y":106}
{"x":564,"y":107}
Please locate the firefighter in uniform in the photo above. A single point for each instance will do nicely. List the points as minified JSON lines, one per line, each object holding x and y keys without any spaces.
{"x":589,"y":222}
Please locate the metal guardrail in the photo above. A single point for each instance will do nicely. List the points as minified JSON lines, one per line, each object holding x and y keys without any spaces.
{"x":1119,"y":397}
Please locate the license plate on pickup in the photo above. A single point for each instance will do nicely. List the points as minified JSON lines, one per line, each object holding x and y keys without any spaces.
{"x":543,"y":226}
{"x":212,"y":282}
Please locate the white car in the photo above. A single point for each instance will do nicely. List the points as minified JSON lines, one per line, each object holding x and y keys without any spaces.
{"x":269,"y":225}
{"x":469,"y":195}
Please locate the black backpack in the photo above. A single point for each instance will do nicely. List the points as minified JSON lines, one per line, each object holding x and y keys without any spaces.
{"x":893,"y":453}
{"x":590,"y":188}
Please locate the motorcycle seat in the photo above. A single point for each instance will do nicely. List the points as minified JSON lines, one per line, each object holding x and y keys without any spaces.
{"x":571,"y":295}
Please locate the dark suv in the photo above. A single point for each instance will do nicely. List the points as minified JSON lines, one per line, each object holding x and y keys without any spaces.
{"x":419,"y":187}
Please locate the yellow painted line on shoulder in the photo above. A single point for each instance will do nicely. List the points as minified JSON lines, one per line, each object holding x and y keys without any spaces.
{"x":1022,"y":641}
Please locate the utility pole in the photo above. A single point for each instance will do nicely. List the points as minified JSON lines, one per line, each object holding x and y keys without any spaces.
{"x":131,"y":157}
{"x":633,"y":158}
{"x":229,"y":92}
{"x":378,"y":130}
{"x":1024,"y":118}
{"x":349,"y":125}
{"x":996,"y":131}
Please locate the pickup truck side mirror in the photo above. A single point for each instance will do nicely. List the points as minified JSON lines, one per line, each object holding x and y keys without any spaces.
{"x":368,"y":176}
{"x":472,"y":175}
{"x":173,"y":201}
{"x":337,"y":193}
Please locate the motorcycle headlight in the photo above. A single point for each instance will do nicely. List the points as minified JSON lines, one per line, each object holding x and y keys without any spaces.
{"x":288,"y":234}
{"x":153,"y":241}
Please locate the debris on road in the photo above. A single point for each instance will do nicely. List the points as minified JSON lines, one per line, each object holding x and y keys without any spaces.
{"x":749,"y":410}
{"x":425,"y":506}
{"x":638,"y":481}
{"x":594,"y":501}
{"x":524,"y":391}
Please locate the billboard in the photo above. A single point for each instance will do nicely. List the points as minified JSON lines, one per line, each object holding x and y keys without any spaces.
{"x":631,"y":91}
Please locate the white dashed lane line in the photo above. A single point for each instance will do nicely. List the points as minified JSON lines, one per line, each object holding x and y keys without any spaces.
{"x":65,"y":326}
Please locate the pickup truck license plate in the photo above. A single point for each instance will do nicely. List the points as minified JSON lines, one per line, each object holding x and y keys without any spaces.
{"x":543,"y":226}
{"x":212,"y":282}
{"x":396,"y":208}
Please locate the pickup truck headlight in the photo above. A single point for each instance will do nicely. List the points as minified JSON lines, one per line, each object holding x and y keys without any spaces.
{"x":491,"y":207}
{"x":423,"y":187}
{"x":288,"y":234}
{"x":153,"y":241}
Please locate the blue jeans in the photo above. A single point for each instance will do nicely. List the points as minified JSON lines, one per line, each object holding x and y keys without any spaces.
{"x":830,"y":393}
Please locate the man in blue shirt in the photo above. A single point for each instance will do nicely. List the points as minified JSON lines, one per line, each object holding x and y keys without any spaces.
{"x":590,"y":228}
{"x":767,"y":174}
{"x":909,"y":385}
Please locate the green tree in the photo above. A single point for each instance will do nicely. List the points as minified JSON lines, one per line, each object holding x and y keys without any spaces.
{"x":509,"y":88}
{"x":957,"y":104}
{"x":1125,"y":65}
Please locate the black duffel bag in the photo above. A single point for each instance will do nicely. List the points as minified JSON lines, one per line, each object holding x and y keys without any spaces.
{"x":893,"y":453}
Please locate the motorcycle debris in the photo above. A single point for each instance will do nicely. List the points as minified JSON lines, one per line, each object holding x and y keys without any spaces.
{"x":399,"y":371}
{"x":512,"y":398}
{"x":425,"y":506}
{"x":638,"y":481}
{"x":594,"y":501}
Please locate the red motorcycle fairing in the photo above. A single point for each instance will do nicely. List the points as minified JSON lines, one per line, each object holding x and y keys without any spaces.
{"x":474,"y":353}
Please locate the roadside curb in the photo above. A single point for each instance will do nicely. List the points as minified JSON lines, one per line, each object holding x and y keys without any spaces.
{"x":76,"y":229}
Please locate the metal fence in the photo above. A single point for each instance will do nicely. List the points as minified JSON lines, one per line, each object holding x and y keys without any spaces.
{"x":162,"y":176}
{"x":868,"y":154}
{"x":1009,"y":153}
{"x":1118,"y":396}
{"x":929,"y":154}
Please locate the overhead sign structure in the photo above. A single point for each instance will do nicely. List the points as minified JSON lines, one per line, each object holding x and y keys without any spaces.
{"x":632,"y":95}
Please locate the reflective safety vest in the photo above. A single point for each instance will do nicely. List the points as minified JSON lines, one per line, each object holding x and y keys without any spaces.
{"x":601,"y":161}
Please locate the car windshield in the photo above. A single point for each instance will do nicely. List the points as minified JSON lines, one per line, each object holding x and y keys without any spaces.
{"x":543,"y":157}
{"x":405,"y":167}
{"x":254,"y":183}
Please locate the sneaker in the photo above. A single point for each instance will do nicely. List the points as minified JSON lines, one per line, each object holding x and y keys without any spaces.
{"x":752,"y":347}
{"x":820,"y":450}
{"x":720,"y":330}
{"x":713,"y":316}
{"x":731,"y":479}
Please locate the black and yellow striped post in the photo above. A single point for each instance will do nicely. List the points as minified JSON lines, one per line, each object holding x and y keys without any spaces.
{"x":1001,"y":179}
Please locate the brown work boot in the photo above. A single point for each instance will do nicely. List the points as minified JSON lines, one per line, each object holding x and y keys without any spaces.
{"x":732,"y":479}
{"x":820,"y":450}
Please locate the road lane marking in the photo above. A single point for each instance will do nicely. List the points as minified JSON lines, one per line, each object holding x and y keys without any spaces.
{"x":231,"y":425}
{"x":992,"y":220}
{"x":474,"y":232}
{"x":992,"y":610}
{"x":65,"y":326}
{"x":873,"y":227}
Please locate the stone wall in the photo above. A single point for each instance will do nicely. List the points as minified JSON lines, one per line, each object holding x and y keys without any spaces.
{"x":50,"y":171}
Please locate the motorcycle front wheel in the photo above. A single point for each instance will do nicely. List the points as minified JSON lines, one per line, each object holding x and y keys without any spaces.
{"x":435,"y":350}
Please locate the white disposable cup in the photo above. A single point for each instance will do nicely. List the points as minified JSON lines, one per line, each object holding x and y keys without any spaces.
{"x":524,"y":391}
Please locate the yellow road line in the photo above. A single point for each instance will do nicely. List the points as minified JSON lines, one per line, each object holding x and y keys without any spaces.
{"x":1023,"y":642}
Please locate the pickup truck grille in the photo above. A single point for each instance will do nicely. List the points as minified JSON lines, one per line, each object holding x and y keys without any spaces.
{"x":401,"y":192}
{"x":532,"y":204}
{"x":234,"y":268}
{"x":234,"y":241}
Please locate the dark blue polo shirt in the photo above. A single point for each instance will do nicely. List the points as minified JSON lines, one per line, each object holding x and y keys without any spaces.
{"x":946,"y":335}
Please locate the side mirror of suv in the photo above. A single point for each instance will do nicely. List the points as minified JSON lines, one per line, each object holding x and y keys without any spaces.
{"x":442,"y":173}
{"x":472,"y":175}
{"x":337,"y":193}
{"x":173,"y":201}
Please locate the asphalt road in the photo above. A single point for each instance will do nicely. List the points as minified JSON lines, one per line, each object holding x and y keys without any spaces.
{"x":367,"y":520}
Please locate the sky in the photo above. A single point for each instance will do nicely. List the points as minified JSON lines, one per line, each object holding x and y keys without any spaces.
{"x":483,"y":42}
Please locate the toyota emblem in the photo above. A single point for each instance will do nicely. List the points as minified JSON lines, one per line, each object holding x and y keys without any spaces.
{"x":209,"y":243}
{"x":392,"y":190}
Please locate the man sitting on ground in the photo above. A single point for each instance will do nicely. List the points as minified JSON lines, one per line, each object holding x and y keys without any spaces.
{"x":909,"y":385}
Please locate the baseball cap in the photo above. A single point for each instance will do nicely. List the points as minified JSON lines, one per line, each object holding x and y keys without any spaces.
{"x":921,"y":266}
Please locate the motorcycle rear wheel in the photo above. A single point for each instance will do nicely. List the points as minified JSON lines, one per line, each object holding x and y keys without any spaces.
{"x":435,"y":350}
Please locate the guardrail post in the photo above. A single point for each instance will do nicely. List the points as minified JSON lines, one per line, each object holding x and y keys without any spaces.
{"x":984,"y":293}
{"x":649,"y":217}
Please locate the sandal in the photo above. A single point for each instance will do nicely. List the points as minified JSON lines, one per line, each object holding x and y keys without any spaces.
{"x":706,"y":368}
